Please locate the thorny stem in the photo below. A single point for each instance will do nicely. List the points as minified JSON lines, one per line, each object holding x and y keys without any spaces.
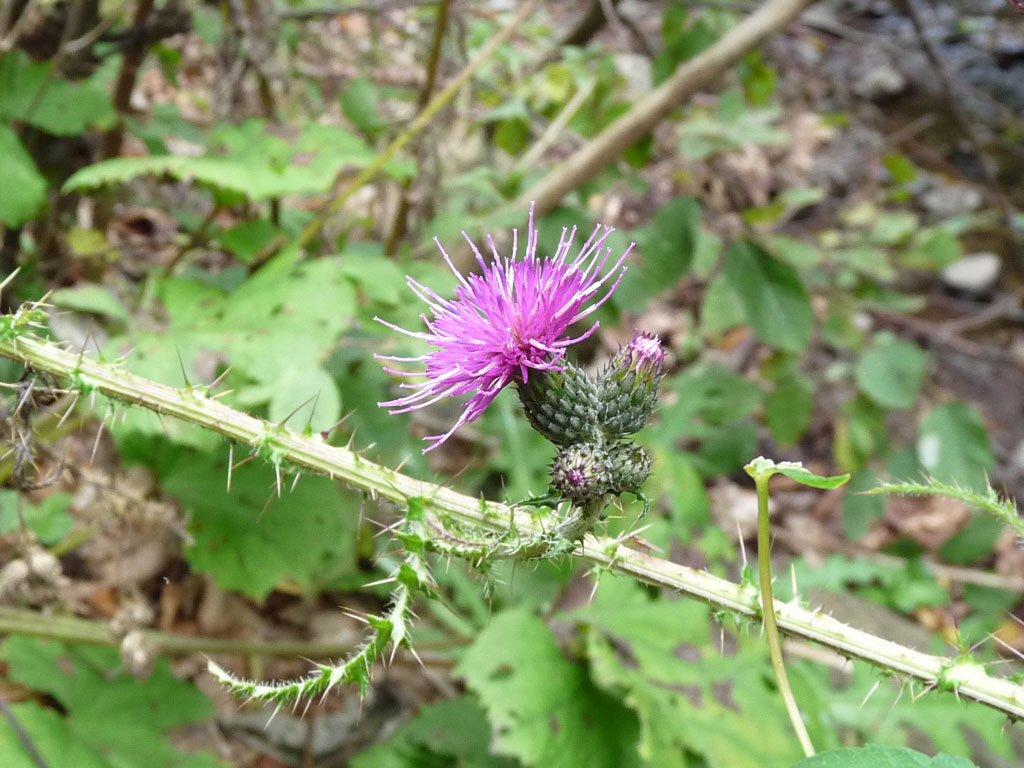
{"x":71,"y":629}
{"x":771,"y":628}
{"x":961,"y":675}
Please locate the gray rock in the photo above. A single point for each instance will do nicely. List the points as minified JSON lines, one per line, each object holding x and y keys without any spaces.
{"x":951,"y":200}
{"x":975,"y":274}
{"x":879,"y":82}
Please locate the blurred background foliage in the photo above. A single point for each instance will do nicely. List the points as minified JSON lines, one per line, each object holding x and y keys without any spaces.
{"x":828,"y":243}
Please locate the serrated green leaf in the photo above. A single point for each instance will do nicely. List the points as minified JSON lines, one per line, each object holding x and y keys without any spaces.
{"x":279,"y":325}
{"x":696,"y":706}
{"x":891,"y":374}
{"x":250,"y":539}
{"x":24,"y":186}
{"x":30,"y":93}
{"x":544,"y":709}
{"x":776,"y":304}
{"x":881,"y":757}
{"x":112,"y":720}
{"x":256,"y":165}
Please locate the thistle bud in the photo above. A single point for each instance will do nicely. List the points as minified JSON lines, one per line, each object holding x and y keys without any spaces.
{"x":562,"y":405}
{"x":629,"y":466}
{"x":628,"y":386}
{"x":579,"y":473}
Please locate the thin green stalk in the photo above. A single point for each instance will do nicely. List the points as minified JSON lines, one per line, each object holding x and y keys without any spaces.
{"x":771,"y":628}
{"x":194,"y":405}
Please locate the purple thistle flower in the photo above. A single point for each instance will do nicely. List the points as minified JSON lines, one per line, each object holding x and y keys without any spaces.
{"x":508,"y":320}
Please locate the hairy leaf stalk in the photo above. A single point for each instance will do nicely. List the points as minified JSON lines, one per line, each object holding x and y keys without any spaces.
{"x":194,"y":405}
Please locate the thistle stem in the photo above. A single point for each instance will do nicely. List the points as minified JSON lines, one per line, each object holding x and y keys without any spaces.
{"x":967,"y":678}
{"x":771,"y":628}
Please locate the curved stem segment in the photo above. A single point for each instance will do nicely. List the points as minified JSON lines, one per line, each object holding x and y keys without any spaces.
{"x":771,"y":628}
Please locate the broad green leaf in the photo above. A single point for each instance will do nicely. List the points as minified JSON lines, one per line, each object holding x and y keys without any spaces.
{"x":24,"y":186}
{"x":276,"y":329}
{"x":376,"y":275}
{"x":881,"y":757}
{"x":543,"y":708}
{"x":953,"y":446}
{"x":89,"y":297}
{"x":774,"y":299}
{"x":451,"y":733}
{"x":721,"y":310}
{"x":668,"y":243}
{"x":661,"y":652}
{"x":248,"y":238}
{"x":890,"y":718}
{"x":787,"y":409}
{"x":256,"y":165}
{"x":891,"y":373}
{"x":49,"y":519}
{"x":859,"y":509}
{"x":975,"y":541}
{"x":112,"y":720}
{"x":30,"y":93}
{"x":359,"y":103}
{"x":251,"y":538}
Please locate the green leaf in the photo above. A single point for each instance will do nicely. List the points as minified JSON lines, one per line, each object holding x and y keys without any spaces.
{"x":250,"y":539}
{"x":859,"y":509}
{"x":668,"y":243}
{"x":449,"y":733}
{"x":24,"y":186}
{"x":660,"y":651}
{"x":787,"y":410}
{"x":881,"y":757}
{"x":89,"y":297}
{"x":248,"y":238}
{"x":30,"y":93}
{"x":49,"y":519}
{"x":359,"y":103}
{"x":375,"y":274}
{"x":277,"y":328}
{"x":974,"y":542}
{"x":720,"y":311}
{"x":774,"y":299}
{"x":953,"y":446}
{"x":544,"y":709}
{"x":112,"y":720}
{"x":794,"y":470}
{"x":255,"y":164}
{"x":891,"y":373}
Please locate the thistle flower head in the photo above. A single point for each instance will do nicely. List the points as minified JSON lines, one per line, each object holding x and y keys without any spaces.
{"x":628,"y":386}
{"x":505,"y":322}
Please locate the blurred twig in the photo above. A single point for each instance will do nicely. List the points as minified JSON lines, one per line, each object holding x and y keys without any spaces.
{"x":422,"y":120}
{"x":399,"y":226}
{"x":646,"y":113}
